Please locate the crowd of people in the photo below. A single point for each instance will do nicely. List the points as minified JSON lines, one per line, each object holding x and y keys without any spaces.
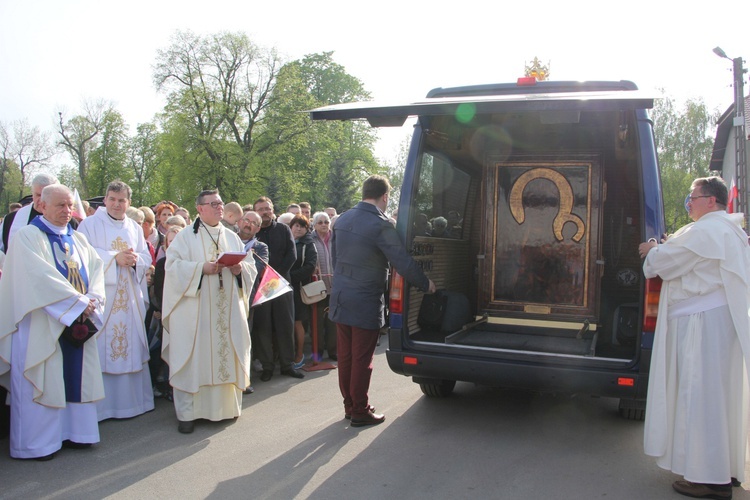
{"x":130,"y":304}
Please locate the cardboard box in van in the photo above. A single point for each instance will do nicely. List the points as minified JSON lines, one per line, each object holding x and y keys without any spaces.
{"x":526,"y":203}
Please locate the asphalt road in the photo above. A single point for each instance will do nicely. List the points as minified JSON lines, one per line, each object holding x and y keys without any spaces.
{"x":292,"y":442}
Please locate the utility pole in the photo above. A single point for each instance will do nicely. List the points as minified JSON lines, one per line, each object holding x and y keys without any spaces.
{"x":740,"y":137}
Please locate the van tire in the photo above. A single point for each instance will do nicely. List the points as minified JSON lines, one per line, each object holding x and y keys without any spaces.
{"x":438,"y":388}
{"x":633,"y":409}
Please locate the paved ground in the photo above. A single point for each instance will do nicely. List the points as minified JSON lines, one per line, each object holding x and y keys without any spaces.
{"x":292,"y":442}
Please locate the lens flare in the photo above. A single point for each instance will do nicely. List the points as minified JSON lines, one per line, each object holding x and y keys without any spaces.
{"x":465,"y":112}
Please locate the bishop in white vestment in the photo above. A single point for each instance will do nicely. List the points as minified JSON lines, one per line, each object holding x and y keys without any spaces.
{"x":123,"y":349}
{"x":206,"y":339}
{"x":52,"y":277}
{"x":696,"y":414}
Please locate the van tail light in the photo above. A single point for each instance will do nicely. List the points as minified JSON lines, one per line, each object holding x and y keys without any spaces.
{"x":396,"y":296}
{"x":651,"y":303}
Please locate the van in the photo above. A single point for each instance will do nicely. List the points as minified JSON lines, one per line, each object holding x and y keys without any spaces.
{"x":525,"y":204}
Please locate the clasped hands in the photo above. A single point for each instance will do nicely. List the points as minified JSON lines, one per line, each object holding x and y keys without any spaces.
{"x":126,"y":258}
{"x":89,"y":309}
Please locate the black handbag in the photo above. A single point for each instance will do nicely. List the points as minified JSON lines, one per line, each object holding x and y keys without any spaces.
{"x":79,"y":332}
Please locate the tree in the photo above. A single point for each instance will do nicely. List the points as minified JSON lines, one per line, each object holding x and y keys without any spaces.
{"x":28,"y":149}
{"x":108,"y":160}
{"x":684,"y":143}
{"x":324,"y":162}
{"x":79,"y":136}
{"x":218,"y":88}
{"x":143,"y":160}
{"x":395,"y":172}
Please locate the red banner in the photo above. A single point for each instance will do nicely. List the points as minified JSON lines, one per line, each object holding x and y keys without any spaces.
{"x":272,"y":285}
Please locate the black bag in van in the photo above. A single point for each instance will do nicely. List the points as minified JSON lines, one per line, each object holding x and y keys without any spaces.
{"x":444,"y":311}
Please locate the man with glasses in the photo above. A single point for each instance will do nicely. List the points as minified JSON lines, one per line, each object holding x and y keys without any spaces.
{"x":206,"y":339}
{"x":249,"y":225}
{"x":274,"y":320}
{"x":696,"y":418}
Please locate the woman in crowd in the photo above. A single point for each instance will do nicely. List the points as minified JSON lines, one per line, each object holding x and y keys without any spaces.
{"x":301,"y":274}
{"x":157,"y":366}
{"x":325,"y":328}
{"x":149,"y":229}
{"x":164,"y":211}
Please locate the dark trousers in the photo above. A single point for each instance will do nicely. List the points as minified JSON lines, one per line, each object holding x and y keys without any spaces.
{"x":356,"y":347}
{"x":274,"y":320}
{"x":325,"y":329}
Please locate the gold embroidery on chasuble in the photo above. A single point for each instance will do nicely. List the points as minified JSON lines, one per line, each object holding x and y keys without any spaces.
{"x":119,"y":343}
{"x":119,"y":245}
{"x":122,"y":298}
{"x":222,"y":330}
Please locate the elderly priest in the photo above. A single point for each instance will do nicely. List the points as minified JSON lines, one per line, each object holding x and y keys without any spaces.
{"x":51,"y":301}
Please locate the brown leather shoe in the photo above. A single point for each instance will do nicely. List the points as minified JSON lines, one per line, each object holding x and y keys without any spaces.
{"x":368,"y":418}
{"x":697,"y":490}
{"x":348,"y":416}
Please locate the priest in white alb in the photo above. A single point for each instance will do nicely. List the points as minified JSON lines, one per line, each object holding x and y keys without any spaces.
{"x":52,"y":279}
{"x":123,"y":349}
{"x":697,"y":403}
{"x":206,"y":339}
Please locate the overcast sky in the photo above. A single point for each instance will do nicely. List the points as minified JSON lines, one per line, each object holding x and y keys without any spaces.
{"x":55,"y":53}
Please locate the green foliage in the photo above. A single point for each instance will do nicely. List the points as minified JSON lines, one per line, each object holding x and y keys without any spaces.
{"x":684,"y":143}
{"x":144,"y":157}
{"x":108,"y":160}
{"x":79,"y":138}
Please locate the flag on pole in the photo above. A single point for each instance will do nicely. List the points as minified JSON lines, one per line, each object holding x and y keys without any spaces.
{"x":733,"y":195}
{"x":272,"y":285}
{"x":78,"y":211}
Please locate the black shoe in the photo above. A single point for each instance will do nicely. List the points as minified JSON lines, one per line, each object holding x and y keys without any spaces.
{"x":186,"y":427}
{"x":45,"y":458}
{"x":75,"y":446}
{"x":249,"y":390}
{"x":736,"y":483}
{"x":333,"y":357}
{"x":697,"y":490}
{"x":368,"y":418}
{"x":266,"y":375}
{"x":293,"y":373}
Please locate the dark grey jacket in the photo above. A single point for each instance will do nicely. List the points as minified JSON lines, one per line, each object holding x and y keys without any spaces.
{"x":364,"y":242}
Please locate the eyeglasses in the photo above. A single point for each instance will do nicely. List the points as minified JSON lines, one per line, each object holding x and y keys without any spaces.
{"x":214,"y":204}
{"x":251,"y":222}
{"x":691,"y":198}
{"x":323,"y":222}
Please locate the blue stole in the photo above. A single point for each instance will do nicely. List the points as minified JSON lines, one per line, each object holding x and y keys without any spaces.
{"x":63,"y":246}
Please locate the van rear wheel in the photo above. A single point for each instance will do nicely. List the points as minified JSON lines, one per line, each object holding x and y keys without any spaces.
{"x":437,"y":388}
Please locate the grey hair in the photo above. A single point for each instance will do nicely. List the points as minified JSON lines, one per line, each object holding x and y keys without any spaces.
{"x":51,"y":189}
{"x":43,"y":180}
{"x":119,"y":187}
{"x":319,"y":215}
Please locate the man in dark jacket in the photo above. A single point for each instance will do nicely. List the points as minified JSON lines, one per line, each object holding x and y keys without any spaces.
{"x":275,"y":319}
{"x":364,"y":242}
{"x":248,"y":227}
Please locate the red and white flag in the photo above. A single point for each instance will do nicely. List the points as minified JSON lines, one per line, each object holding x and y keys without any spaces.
{"x":272,"y":285}
{"x":733,"y":195}
{"x":78,"y":211}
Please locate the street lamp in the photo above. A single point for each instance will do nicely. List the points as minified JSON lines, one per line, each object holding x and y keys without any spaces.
{"x":739,"y":134}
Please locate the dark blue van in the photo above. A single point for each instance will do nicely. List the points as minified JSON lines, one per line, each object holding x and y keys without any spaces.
{"x":525,"y":203}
